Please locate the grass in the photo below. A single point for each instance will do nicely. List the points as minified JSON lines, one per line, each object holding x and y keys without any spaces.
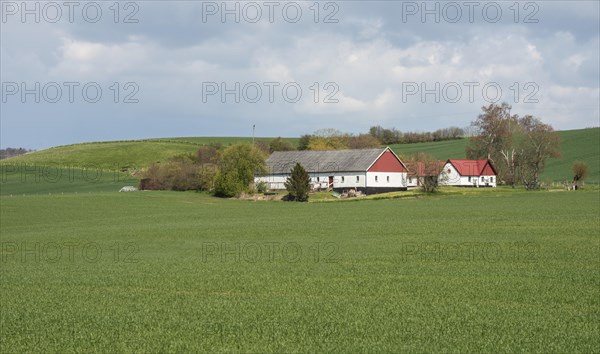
{"x":583,"y":145}
{"x":181,"y":272}
{"x":37,"y":179}
{"x":115,"y":154}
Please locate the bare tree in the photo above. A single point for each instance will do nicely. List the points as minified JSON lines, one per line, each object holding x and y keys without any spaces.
{"x":580,"y":172}
{"x":428,"y":171}
{"x":539,"y":142}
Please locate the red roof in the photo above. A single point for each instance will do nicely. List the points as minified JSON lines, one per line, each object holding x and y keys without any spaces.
{"x":433,"y":168}
{"x":473,"y":167}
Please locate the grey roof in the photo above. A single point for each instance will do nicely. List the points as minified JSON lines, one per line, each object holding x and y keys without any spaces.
{"x":282,"y":162}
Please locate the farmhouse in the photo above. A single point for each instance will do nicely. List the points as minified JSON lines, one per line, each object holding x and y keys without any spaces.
{"x":468,"y":173}
{"x":370,"y":171}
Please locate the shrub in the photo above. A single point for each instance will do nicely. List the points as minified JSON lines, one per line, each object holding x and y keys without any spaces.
{"x":239,"y":163}
{"x":262,"y":187}
{"x":298,"y":184}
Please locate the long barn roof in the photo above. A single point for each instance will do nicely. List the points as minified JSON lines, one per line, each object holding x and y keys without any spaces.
{"x":282,"y":162}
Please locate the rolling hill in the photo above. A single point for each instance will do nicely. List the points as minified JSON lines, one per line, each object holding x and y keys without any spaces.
{"x":581,"y":144}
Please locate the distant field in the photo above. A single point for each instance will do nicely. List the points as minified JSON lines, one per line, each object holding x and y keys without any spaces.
{"x":114,"y":154}
{"x":583,"y":144}
{"x":443,"y":150}
{"x":488,"y":271}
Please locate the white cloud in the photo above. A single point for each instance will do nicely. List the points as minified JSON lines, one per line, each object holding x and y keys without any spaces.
{"x":369,"y":54}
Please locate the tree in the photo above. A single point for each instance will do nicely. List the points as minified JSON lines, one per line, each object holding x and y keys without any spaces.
{"x":363,"y":141}
{"x":207,"y":154}
{"x":228,"y":184}
{"x":298,"y":184}
{"x":303,"y":142}
{"x":328,"y":139}
{"x":495,"y":127}
{"x":238,"y":166}
{"x":538,"y":142}
{"x":580,"y":172}
{"x":263,"y":147}
{"x":428,"y":170}
{"x":280,"y":145}
{"x":518,"y":147}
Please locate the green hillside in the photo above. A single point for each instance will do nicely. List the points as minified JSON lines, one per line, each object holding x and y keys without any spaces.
{"x":582,"y":144}
{"x":115,"y":154}
{"x":443,"y":150}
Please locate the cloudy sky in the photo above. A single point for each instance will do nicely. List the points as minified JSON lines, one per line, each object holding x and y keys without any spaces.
{"x":92,"y":71}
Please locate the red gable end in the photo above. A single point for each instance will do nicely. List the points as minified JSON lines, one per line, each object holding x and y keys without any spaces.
{"x":473,"y":167}
{"x":387,"y":162}
{"x":488,"y":170}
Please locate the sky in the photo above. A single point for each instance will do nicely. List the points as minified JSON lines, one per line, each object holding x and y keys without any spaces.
{"x":94,"y":71}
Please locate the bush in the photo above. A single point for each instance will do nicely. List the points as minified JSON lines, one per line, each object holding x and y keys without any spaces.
{"x":228,"y":184}
{"x":179,"y":173}
{"x":262,"y":187}
{"x":238,"y":166}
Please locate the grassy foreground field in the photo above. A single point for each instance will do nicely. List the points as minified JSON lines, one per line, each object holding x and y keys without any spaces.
{"x":167,"y":271}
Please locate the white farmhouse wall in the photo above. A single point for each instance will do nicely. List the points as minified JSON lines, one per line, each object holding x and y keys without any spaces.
{"x":344,"y":180}
{"x":387,"y":179}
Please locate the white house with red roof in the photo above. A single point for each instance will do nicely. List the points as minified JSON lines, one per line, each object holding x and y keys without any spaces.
{"x":368,"y":170}
{"x":469,"y":173}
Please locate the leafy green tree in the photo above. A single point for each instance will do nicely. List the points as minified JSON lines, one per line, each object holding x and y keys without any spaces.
{"x":304,"y":142}
{"x":298,"y":184}
{"x":280,"y":145}
{"x":228,"y":184}
{"x":238,"y":166}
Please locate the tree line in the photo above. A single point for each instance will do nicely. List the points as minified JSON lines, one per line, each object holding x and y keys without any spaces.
{"x":12,"y":152}
{"x":377,"y":136}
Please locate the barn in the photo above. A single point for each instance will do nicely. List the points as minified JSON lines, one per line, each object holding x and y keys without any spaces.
{"x":370,"y":171}
{"x":469,"y":173}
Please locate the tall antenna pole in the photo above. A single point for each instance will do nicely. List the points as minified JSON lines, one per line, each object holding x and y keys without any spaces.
{"x":253,"y":128}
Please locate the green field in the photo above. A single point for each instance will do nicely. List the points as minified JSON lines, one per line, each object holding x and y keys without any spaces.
{"x":486,"y":271}
{"x":115,"y":154}
{"x":49,"y":179}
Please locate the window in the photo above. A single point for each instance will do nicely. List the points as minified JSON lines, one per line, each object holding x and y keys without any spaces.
{"x":357,"y":179}
{"x":342,"y":179}
{"x":375,"y":178}
{"x":318,"y":179}
{"x":492,"y":179}
{"x":410,"y":180}
{"x":481,"y":178}
{"x":469,"y":178}
{"x":388,"y":179}
{"x":449,"y":171}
